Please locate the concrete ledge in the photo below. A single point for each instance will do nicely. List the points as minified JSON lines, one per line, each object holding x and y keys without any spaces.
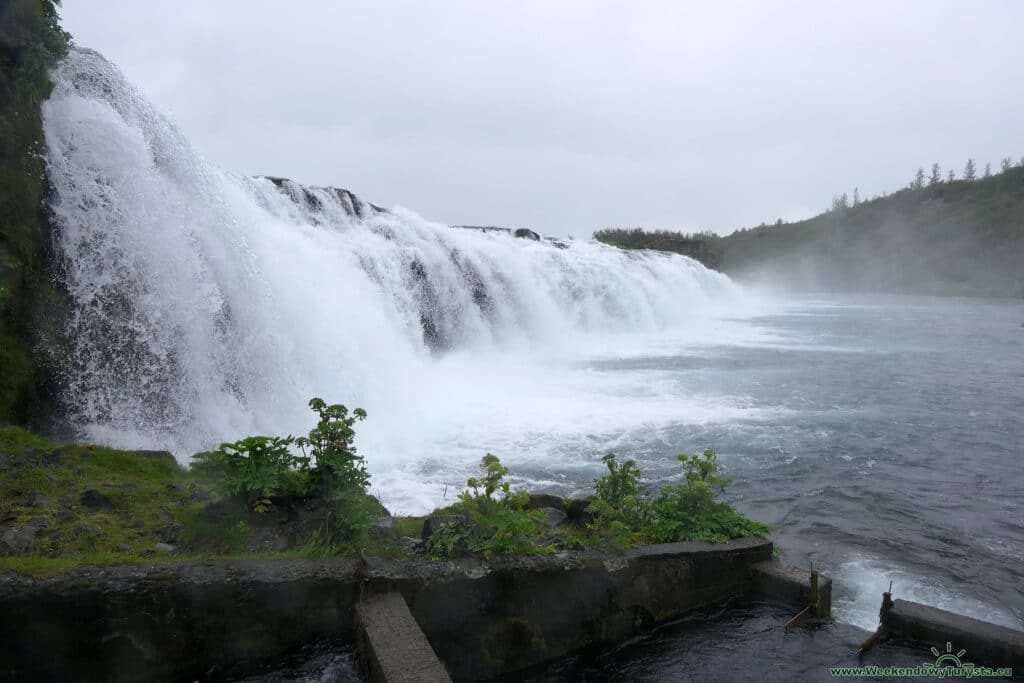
{"x":988,"y":644}
{"x":391,"y":645}
{"x":177,"y":620}
{"x":790,"y":585}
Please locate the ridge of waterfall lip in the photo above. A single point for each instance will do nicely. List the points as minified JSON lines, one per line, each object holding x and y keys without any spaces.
{"x":350,"y":200}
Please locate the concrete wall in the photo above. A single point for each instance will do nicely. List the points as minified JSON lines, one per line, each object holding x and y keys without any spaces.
{"x":986,"y":644}
{"x":174,"y":621}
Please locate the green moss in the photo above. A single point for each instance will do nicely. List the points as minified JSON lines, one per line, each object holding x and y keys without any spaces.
{"x":145,"y":494}
{"x":31,"y":42}
{"x":28,"y":479}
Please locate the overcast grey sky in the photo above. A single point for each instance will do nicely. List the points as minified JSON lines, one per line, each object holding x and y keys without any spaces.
{"x":571,"y":116}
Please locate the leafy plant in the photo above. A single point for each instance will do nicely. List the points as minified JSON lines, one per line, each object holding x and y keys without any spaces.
{"x":492,"y":480}
{"x":338,"y":470}
{"x":621,"y":496}
{"x":692,"y":511}
{"x":254,"y":469}
{"x":619,"y":509}
{"x":491,"y":525}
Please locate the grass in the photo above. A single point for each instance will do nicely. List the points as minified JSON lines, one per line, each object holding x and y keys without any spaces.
{"x":43,"y":484}
{"x":146,"y":494}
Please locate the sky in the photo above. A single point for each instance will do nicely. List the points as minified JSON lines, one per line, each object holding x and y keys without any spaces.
{"x":571,"y":116}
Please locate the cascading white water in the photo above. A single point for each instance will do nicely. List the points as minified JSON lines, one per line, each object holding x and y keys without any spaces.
{"x":209,"y":305}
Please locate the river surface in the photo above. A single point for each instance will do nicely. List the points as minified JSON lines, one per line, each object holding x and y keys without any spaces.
{"x":882,"y":439}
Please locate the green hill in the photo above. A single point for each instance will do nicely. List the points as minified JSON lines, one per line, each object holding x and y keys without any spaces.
{"x":963,"y":238}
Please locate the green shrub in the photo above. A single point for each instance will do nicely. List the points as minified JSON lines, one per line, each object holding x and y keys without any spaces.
{"x":623,"y":514}
{"x":258,"y":468}
{"x":338,"y":469}
{"x":255,"y":469}
{"x":621,"y":498}
{"x":493,"y":525}
{"x":692,"y":511}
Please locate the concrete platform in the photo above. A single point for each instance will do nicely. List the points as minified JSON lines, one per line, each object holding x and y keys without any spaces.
{"x":391,"y":645}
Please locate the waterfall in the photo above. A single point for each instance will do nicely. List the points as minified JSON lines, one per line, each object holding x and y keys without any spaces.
{"x":208,"y":305}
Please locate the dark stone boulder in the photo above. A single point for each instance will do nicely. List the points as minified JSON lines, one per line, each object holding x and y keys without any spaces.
{"x":578,"y":511}
{"x":545,"y":500}
{"x":89,"y":532}
{"x":288,"y":523}
{"x":553,"y":516}
{"x":21,"y":539}
{"x":36,"y":500}
{"x":91,"y":498}
{"x":413,"y":545}
{"x":169,"y":533}
{"x":200,"y":495}
{"x":526,"y":233}
{"x":433,"y":524}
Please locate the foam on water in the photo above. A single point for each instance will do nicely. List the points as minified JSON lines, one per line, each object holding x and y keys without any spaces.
{"x":862,"y":580}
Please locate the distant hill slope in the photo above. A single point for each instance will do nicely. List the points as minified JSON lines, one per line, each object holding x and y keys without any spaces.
{"x":963,"y":238}
{"x":952,"y":238}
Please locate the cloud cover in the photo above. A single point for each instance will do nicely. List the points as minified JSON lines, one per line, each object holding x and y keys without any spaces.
{"x":571,"y":116}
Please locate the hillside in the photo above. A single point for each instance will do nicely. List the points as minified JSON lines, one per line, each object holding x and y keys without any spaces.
{"x":960,"y":238}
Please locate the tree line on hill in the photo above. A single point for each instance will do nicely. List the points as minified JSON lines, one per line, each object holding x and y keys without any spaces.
{"x":938,"y":235}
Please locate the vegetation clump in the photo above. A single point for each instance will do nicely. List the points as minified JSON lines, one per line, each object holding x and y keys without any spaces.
{"x":62,"y":505}
{"x":621,"y":513}
{"x":625,"y":513}
{"x":261,"y":471}
{"x":490,"y":524}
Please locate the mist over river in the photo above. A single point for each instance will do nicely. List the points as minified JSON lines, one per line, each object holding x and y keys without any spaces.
{"x":881,"y":437}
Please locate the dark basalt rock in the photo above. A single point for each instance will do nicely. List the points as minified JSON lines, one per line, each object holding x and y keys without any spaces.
{"x":553,"y":516}
{"x":21,"y":539}
{"x":169,"y":533}
{"x":546,"y":500}
{"x":437,"y":522}
{"x":578,"y":511}
{"x":92,"y":498}
{"x":36,"y":499}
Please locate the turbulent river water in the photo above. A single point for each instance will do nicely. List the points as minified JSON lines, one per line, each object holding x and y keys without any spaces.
{"x":882,"y":438}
